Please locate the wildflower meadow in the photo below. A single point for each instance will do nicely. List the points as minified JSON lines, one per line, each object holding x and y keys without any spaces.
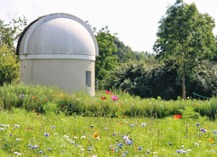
{"x":46,"y":122}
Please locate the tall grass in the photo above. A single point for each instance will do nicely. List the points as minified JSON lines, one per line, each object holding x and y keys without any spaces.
{"x":46,"y":99}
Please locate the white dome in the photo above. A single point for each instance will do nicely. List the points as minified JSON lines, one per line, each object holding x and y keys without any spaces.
{"x":58,"y":36}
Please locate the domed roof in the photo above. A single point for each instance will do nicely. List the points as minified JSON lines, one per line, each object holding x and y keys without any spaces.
{"x":58,"y":36}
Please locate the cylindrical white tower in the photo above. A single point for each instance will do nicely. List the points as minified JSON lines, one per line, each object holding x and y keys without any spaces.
{"x":59,"y":50}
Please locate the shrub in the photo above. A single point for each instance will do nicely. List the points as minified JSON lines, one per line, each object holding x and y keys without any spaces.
{"x":189,"y":113}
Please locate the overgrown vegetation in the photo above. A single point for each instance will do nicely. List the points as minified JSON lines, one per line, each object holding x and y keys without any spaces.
{"x":105,"y":103}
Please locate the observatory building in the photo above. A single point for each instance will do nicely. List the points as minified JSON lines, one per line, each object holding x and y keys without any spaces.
{"x":58,"y":50}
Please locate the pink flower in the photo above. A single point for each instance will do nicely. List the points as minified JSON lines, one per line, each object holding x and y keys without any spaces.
{"x":114,"y":97}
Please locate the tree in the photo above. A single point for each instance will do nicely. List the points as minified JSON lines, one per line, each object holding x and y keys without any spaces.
{"x":10,"y":32}
{"x":107,"y":58}
{"x":9,"y":67}
{"x":206,"y":79}
{"x":215,"y":52}
{"x":124,"y":53}
{"x":185,"y":37}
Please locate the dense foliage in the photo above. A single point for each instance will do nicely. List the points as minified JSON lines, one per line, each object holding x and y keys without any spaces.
{"x":152,"y":79}
{"x":105,"y":103}
{"x":145,"y":79}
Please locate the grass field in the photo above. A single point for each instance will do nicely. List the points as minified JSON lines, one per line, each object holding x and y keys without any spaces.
{"x":31,"y":134}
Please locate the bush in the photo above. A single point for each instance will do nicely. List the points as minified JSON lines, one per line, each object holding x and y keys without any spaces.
{"x":189,"y":113}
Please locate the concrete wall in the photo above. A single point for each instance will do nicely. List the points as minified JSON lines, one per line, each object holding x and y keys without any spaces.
{"x":66,"y":74}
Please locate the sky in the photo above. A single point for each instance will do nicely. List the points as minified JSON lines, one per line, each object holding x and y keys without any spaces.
{"x":134,"y":21}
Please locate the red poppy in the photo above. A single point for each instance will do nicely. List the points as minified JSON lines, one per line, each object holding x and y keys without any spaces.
{"x":108,"y":92}
{"x":177,"y":116}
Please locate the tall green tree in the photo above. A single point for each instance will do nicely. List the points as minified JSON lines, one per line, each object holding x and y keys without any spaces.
{"x":9,"y":34}
{"x":185,"y":37}
{"x":107,"y":59}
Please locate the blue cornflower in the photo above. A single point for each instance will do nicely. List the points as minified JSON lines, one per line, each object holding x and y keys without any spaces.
{"x":120,"y":145}
{"x":49,"y":149}
{"x":140,"y":148}
{"x":197,"y":124}
{"x":129,"y":142}
{"x":40,"y":152}
{"x":46,"y":134}
{"x":203,"y":130}
{"x":35,"y":147}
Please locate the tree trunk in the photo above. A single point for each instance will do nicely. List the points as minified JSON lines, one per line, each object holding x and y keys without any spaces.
{"x":183,"y":86}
